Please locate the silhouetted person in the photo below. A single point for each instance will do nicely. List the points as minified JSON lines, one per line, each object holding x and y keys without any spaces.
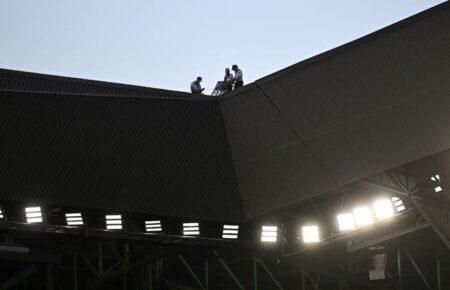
{"x":228,"y":80}
{"x":196,"y":88}
{"x":238,"y":80}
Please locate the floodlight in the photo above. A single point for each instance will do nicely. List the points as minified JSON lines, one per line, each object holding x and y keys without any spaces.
{"x":398,"y":204}
{"x":1,"y":214}
{"x":74,"y":219}
{"x":383,"y":209}
{"x":113,"y":222}
{"x":269,"y":234}
{"x":33,"y":214}
{"x":363,"y":216}
{"x":191,"y":229}
{"x":310,"y":234}
{"x":436,"y":178}
{"x":153,"y":226}
{"x":230,"y":232}
{"x":438,"y":188}
{"x":346,"y":221}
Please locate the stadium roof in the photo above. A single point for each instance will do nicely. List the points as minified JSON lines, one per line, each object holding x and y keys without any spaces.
{"x":357,"y":110}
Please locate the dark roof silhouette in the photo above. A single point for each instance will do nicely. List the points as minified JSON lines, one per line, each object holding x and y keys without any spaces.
{"x":355,"y":111}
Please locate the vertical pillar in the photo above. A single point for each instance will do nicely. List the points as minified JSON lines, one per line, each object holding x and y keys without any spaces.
{"x":438,"y":274}
{"x":100,"y":258}
{"x":50,"y":276}
{"x":399,"y":269}
{"x":303,"y":280}
{"x":150,"y":276}
{"x":126,"y":261}
{"x":255,"y":274}
{"x":206,"y":276}
{"x":75,"y":270}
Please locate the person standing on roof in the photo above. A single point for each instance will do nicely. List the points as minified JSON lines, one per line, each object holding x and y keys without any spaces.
{"x":238,"y":80}
{"x":228,"y":80}
{"x":196,"y":88}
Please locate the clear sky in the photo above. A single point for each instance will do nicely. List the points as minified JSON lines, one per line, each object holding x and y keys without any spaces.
{"x":166,"y":44}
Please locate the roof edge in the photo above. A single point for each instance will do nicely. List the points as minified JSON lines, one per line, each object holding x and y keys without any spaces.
{"x":168,"y":93}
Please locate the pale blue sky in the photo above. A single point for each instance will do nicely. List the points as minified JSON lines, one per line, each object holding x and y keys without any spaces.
{"x":166,"y":44}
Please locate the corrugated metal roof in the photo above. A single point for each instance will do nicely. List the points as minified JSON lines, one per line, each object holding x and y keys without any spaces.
{"x":369,"y":106}
{"x":155,"y":156}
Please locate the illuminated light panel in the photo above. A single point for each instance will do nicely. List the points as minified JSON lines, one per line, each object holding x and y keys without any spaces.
{"x":310,"y":234}
{"x":438,"y":188}
{"x":398,"y":204}
{"x":74,"y":219}
{"x":383,"y":209}
{"x":191,"y":229}
{"x":346,"y":221}
{"x":269,"y":234}
{"x":1,"y":214}
{"x":436,"y":178}
{"x":33,"y":214}
{"x":153,"y":226}
{"x":113,"y":222}
{"x":230,"y":232}
{"x":363,"y":216}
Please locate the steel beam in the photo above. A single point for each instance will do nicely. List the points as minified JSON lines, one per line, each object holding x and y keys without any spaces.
{"x":230,"y":273}
{"x":270,"y":274}
{"x":188,"y":267}
{"x":19,"y":277}
{"x":387,"y":237}
{"x":413,"y":262}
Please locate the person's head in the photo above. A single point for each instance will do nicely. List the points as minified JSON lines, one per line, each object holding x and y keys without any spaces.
{"x":234,"y":67}
{"x":199,"y":79}
{"x":227,"y":71}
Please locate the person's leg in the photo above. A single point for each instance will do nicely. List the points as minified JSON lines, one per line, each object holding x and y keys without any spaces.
{"x":238,"y":85}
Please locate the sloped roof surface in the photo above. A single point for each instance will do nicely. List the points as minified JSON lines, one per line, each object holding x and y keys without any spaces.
{"x":360,"y":109}
{"x":107,"y":146}
{"x":374,"y":104}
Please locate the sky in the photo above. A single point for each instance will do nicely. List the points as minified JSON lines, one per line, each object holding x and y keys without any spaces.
{"x":167,"y":44}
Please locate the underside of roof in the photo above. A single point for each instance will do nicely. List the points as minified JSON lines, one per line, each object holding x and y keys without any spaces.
{"x":360,"y":109}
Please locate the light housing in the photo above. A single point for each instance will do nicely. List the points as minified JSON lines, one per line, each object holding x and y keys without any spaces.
{"x":363,"y":216}
{"x":191,"y":229}
{"x":310,"y":234}
{"x":153,"y":226}
{"x":33,"y":214}
{"x":346,"y":221}
{"x":383,"y":209}
{"x":230,"y":232}
{"x":74,"y":219}
{"x":269,"y":234}
{"x":398,"y":204}
{"x":113,"y":222}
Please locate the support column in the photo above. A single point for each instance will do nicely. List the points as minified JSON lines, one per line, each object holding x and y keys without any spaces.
{"x":50,"y":278}
{"x":75,"y":270}
{"x":99,"y":258}
{"x":399,"y":268}
{"x":438,"y":274}
{"x":255,"y":274}
{"x":206,"y":276}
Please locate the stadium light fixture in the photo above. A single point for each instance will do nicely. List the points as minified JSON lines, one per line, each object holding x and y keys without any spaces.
{"x":74,"y":219}
{"x":33,"y":214}
{"x":436,"y":177}
{"x":363,"y":216}
{"x":438,"y":188}
{"x":269,"y":234}
{"x":383,"y":209}
{"x":230,"y":232}
{"x":113,"y":222}
{"x":398,"y":204}
{"x":191,"y":229}
{"x":1,"y":214}
{"x":346,"y":221}
{"x":153,"y":226}
{"x":310,"y":234}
